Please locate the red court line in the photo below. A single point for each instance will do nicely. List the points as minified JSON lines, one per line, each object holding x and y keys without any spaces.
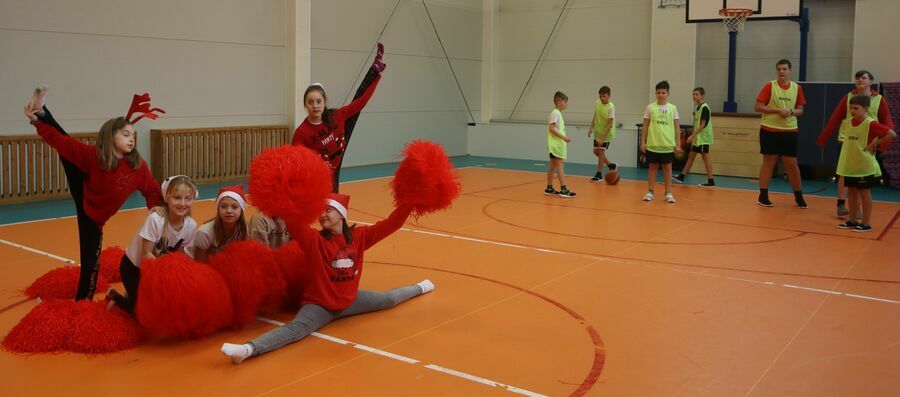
{"x":484,"y":210}
{"x":679,"y":218}
{"x":599,"y":348}
{"x":888,"y":226}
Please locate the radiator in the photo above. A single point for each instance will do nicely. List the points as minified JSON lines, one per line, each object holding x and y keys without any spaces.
{"x":30,"y":169}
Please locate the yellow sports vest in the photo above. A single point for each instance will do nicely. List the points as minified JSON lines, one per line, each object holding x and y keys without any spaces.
{"x":873,"y":112}
{"x":555,"y":145}
{"x":855,"y":160}
{"x":661,"y":131}
{"x":601,"y":119}
{"x":781,"y":99}
{"x":704,"y":137}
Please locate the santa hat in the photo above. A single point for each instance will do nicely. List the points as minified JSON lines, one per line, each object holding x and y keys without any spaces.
{"x":340,"y":202}
{"x":236,"y":192}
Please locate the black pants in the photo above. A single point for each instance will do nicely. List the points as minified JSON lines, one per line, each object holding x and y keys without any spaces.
{"x":349,"y":124}
{"x":131,"y":277}
{"x":90,"y":236}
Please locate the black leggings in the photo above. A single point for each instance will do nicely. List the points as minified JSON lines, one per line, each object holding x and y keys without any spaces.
{"x":131,"y":277}
{"x":349,"y":124}
{"x":90,"y":236}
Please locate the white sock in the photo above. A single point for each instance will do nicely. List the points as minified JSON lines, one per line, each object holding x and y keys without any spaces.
{"x":237,"y":353}
{"x":426,"y":285}
{"x":37,"y":100}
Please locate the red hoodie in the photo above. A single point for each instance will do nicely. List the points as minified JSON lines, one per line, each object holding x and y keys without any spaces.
{"x":104,"y":191}
{"x":335,"y":265}
{"x":840,"y":113}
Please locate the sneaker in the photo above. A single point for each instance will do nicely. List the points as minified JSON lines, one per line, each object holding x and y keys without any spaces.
{"x":862,"y":228}
{"x":670,"y":198}
{"x":648,"y":196}
{"x":550,"y":192}
{"x":566,"y":193}
{"x":612,"y":166}
{"x":848,"y":225}
{"x":764,"y":201}
{"x":708,"y":184}
{"x":597,"y":178}
{"x":842,"y":210}
{"x":802,"y":204}
{"x":678,"y":178}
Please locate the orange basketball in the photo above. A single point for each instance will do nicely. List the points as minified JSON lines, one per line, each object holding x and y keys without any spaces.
{"x":611,"y":178}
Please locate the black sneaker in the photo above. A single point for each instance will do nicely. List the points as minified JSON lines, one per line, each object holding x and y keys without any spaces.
{"x":550,"y":192}
{"x":848,"y":225}
{"x":862,"y":228}
{"x":597,"y":178}
{"x":764,"y":201}
{"x":708,"y":184}
{"x":801,"y":203}
{"x":566,"y":193}
{"x":678,"y":178}
{"x":612,"y":166}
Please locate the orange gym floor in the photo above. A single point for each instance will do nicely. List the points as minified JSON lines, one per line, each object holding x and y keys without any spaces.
{"x":602,"y":294}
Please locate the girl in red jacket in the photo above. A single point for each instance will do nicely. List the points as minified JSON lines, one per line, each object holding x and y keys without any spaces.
{"x":100,"y":177}
{"x":332,"y":290}
{"x":327,"y":131}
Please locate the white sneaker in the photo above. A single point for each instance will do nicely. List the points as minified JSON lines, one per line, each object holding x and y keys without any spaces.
{"x":670,"y":198}
{"x":426,"y":285}
{"x":648,"y":196}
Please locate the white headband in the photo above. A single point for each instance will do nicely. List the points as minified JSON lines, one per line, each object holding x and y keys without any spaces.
{"x":165,"y":185}
{"x":318,"y":85}
{"x":235,"y":196}
{"x":338,"y":206}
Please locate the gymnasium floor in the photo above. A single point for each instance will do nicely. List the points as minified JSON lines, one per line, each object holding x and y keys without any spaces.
{"x":600,"y":295}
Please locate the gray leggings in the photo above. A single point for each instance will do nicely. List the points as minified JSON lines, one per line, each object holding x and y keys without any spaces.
{"x":312,"y":317}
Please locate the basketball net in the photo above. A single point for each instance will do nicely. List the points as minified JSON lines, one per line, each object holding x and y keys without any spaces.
{"x":733,"y":18}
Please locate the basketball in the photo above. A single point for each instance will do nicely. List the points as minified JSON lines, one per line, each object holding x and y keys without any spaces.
{"x":611,"y":178}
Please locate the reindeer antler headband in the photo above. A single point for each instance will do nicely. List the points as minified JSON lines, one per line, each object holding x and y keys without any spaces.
{"x":141,"y":104}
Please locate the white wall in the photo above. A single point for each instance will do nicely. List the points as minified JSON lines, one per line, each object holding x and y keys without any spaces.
{"x":763,"y":43}
{"x":417,"y":96}
{"x":206,"y":62}
{"x":673,"y":58}
{"x":875,"y":44}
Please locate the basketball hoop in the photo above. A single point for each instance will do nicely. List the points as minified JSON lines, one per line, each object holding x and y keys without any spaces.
{"x":733,"y":18}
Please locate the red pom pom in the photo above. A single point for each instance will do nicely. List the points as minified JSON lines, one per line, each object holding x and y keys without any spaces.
{"x":294,"y":267}
{"x":290,"y":182}
{"x":42,"y":330}
{"x":249,"y":269}
{"x":110,"y":259}
{"x":425,"y":180}
{"x":81,"y":327}
{"x":180,"y":297}
{"x":60,"y":283}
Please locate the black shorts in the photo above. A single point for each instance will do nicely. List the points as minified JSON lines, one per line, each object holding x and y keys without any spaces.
{"x":861,"y":182}
{"x":552,"y":156}
{"x":778,"y":143}
{"x":602,"y":146}
{"x":700,"y":149}
{"x":659,"y":158}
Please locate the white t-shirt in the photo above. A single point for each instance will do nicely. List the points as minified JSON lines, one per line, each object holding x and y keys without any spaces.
{"x":554,"y":118}
{"x":152,"y":231}
{"x":206,"y":235}
{"x":663,"y":108}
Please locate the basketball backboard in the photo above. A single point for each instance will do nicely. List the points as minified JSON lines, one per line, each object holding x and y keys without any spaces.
{"x":698,"y":11}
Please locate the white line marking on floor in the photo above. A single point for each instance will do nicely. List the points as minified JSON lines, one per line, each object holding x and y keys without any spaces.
{"x":824,"y":291}
{"x":871,"y":298}
{"x":39,"y":252}
{"x":410,"y":360}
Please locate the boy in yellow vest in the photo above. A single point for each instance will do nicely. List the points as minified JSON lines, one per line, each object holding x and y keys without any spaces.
{"x":603,"y":126}
{"x":700,"y":139}
{"x":857,"y":164}
{"x":780,"y":102}
{"x":557,"y":145}
{"x":658,"y":137}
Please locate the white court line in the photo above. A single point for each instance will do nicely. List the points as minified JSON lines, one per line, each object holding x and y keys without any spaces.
{"x":824,"y":291}
{"x":413,"y":361}
{"x":871,"y":298}
{"x":334,"y":339}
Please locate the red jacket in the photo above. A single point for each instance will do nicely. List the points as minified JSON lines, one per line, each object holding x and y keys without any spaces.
{"x":104,"y":191}
{"x":330,"y":142}
{"x":335,"y":266}
{"x":840,"y":113}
